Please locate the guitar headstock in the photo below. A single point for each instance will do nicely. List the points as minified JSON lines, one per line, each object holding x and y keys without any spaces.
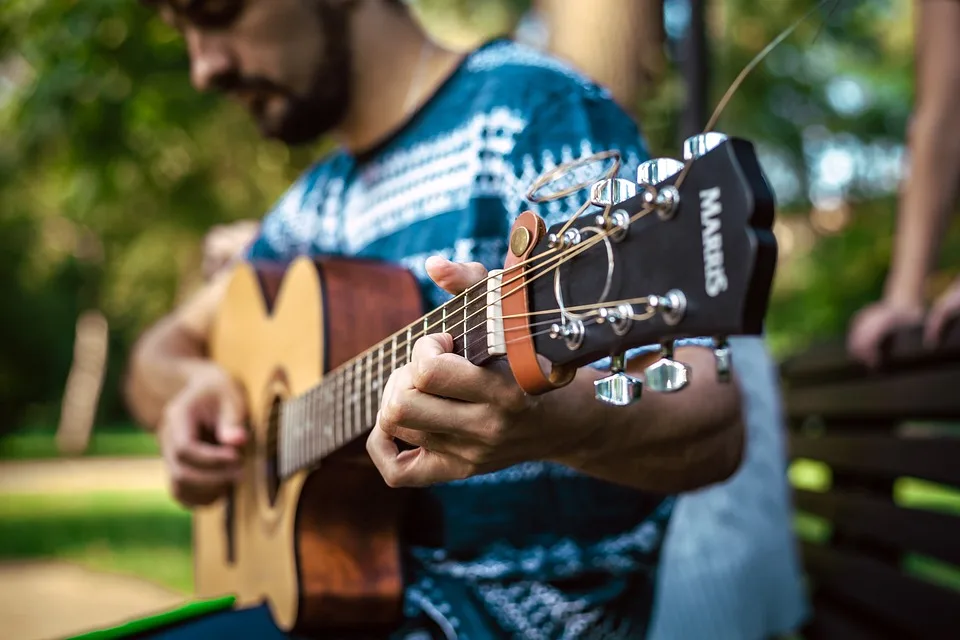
{"x":700,"y":262}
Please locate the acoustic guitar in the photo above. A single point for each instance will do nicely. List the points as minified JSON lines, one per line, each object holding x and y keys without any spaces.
{"x":312,"y":529}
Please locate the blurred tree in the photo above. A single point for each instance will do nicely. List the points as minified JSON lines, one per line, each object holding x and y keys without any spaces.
{"x":112,"y":167}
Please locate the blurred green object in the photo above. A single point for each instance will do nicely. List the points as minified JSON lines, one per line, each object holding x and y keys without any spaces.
{"x":153,"y":623}
{"x":40,"y":444}
{"x":136,"y":533}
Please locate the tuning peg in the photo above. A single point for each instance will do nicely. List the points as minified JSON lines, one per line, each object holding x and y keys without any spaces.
{"x":701,"y":144}
{"x":652,"y":172}
{"x":618,"y":389}
{"x":667,"y":375}
{"x":657,"y":170}
{"x":611,"y":191}
{"x":721,"y":354}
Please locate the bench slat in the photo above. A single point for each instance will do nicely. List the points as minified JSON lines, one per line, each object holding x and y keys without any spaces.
{"x":830,"y":360}
{"x":915,"y":608}
{"x":917,"y":395}
{"x":936,"y":459}
{"x":835,"y":623}
{"x":916,"y":530}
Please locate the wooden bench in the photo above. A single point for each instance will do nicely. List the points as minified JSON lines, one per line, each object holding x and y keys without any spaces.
{"x":881,"y":545}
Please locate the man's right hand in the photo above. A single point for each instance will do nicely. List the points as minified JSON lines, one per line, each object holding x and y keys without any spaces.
{"x":202,"y":434}
{"x":874,"y":323}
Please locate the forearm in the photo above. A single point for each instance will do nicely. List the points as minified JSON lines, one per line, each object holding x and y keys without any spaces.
{"x":664,"y":443}
{"x":170,"y":353}
{"x":925,"y":202}
{"x":927,"y":194}
{"x":162,"y":361}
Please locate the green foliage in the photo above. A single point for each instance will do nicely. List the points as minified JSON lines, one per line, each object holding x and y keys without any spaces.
{"x":143,"y":534}
{"x":111,"y":169}
{"x":112,"y":166}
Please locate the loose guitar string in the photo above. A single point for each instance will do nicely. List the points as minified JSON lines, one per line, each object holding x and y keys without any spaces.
{"x":567,"y":168}
{"x":742,"y":76}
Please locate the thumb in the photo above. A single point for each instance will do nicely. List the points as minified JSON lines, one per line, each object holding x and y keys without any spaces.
{"x":230,"y":421}
{"x":454,"y":277}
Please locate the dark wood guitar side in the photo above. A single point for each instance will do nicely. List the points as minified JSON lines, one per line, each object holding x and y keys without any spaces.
{"x":321,"y":547}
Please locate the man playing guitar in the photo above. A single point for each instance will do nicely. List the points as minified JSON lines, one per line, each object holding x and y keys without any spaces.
{"x":552,"y":507}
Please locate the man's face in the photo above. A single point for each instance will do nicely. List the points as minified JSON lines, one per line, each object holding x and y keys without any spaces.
{"x":287,"y":61}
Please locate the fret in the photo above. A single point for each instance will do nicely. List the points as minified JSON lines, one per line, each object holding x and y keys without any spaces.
{"x":315,"y":408}
{"x":368,"y":392}
{"x":305,"y":426}
{"x":357,"y":398}
{"x":409,"y":345}
{"x":295,"y":428}
{"x":454,"y":326}
{"x":302,"y":432}
{"x":476,"y":325}
{"x":282,"y":433}
{"x":463,"y":328}
{"x":427,"y":325}
{"x":443,"y":318}
{"x":338,"y":403}
{"x":393,"y":354}
{"x":434,"y":320}
{"x":328,"y":421}
{"x":347,"y":402}
{"x":379,"y":383}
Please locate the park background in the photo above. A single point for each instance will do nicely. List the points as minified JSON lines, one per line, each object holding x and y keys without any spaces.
{"x":112,"y":170}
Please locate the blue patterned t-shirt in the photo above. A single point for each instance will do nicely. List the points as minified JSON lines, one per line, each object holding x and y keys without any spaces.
{"x":536,"y":550}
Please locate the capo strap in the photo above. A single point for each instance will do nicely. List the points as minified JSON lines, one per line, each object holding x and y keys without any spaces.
{"x":515,"y":302}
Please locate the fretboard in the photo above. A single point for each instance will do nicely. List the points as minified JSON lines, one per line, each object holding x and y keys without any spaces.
{"x":343,"y":407}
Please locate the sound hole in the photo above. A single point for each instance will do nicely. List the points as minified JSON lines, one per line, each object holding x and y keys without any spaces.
{"x":272,"y":471}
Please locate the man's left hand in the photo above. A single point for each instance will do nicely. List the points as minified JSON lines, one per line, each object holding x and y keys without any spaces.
{"x":464,"y":420}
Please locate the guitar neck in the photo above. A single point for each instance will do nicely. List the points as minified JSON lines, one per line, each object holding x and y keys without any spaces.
{"x":344,"y":405}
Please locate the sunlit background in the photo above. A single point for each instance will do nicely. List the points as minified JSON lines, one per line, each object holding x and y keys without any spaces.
{"x":112,"y":169}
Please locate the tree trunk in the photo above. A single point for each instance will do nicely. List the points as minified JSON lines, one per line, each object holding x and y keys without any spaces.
{"x":617,"y":43}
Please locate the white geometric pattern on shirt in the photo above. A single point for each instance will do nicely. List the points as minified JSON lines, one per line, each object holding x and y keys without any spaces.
{"x":426,"y":180}
{"x":533,"y":608}
{"x":618,"y":554}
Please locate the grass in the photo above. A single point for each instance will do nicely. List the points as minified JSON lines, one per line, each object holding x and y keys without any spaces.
{"x":147,"y":535}
{"x":142,"y":534}
{"x":40,"y":445}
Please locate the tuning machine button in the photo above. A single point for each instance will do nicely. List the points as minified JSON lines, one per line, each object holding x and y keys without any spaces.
{"x":665,"y":199}
{"x":701,"y":144}
{"x":722,"y":358}
{"x":667,"y":375}
{"x":657,"y":170}
{"x":619,"y":388}
{"x":611,"y":191}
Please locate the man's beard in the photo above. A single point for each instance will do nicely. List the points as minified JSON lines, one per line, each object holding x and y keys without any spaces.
{"x":305,"y":117}
{"x":324,"y":106}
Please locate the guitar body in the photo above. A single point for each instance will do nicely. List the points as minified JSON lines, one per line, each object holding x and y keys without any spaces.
{"x":321,"y":548}
{"x":312,"y":345}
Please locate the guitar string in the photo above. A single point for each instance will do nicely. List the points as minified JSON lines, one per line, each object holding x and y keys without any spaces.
{"x":540,"y":183}
{"x":547,"y":268}
{"x":569,"y":167}
{"x":347,"y":432}
{"x":637,"y":317}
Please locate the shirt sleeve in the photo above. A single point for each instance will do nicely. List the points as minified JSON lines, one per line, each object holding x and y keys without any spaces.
{"x":569,"y":126}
